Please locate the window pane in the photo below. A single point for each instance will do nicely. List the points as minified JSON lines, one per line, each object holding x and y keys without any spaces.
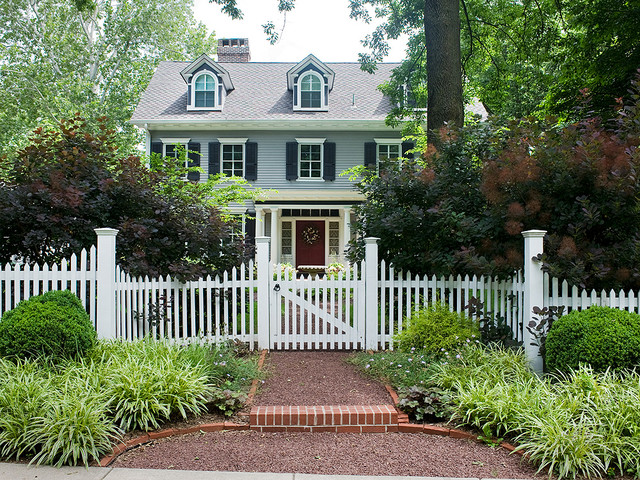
{"x":310,"y":92}
{"x":233,"y":160}
{"x":205,"y":91}
{"x":310,"y":161}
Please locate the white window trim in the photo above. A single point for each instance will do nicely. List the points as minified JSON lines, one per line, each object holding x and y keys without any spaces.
{"x":310,"y":141}
{"x":298,"y":104}
{"x":233,"y":141}
{"x":387,"y":141}
{"x":217,"y":102}
{"x":174,"y":141}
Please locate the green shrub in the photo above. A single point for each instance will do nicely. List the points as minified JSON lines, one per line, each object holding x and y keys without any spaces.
{"x":435,"y":328}
{"x":602,"y":337}
{"x":52,"y":325}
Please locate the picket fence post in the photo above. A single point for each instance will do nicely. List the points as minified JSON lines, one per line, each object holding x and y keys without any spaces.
{"x":533,"y":291}
{"x":262,"y":259}
{"x":106,"y":283}
{"x":371,"y":292}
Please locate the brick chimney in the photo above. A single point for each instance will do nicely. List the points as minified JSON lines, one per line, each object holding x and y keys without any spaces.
{"x":233,"y":50}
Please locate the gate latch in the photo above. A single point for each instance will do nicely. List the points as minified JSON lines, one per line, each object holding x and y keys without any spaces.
{"x":276,"y":288}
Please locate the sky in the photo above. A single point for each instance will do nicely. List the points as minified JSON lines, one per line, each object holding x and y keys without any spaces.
{"x":320,"y":27}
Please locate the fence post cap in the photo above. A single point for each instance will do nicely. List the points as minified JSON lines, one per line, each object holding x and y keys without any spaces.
{"x":534,"y":233}
{"x":371,"y":240}
{"x":263,"y":240}
{"x":106,"y":231}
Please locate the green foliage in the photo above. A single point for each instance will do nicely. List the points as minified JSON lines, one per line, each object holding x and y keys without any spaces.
{"x":89,"y":56}
{"x":68,"y":182}
{"x":71,"y":412}
{"x":463,"y":207}
{"x":425,"y":403}
{"x":601,"y":337}
{"x":434,"y":329}
{"x":582,"y":424}
{"x":51,"y":325}
{"x":52,"y":416}
{"x":493,"y":328}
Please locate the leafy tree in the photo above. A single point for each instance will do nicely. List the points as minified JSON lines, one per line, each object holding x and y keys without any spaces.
{"x":463,"y":206}
{"x":95,"y":57}
{"x":67,"y":182}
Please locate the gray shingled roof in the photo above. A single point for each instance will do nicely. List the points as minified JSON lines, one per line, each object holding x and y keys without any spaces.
{"x":261,"y":94}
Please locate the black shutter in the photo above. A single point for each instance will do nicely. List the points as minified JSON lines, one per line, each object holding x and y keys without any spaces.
{"x":194,"y":160}
{"x":292,"y":160}
{"x":156,"y":147}
{"x":406,"y":146}
{"x":251,"y":162}
{"x":250,"y":230}
{"x":370,"y":157}
{"x":329,"y":167}
{"x":214,"y":158}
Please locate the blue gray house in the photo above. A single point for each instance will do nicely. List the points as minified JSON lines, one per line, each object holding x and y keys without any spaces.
{"x":290,"y":127}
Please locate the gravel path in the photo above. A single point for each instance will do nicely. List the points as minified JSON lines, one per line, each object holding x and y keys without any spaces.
{"x":317,"y":378}
{"x":328,"y":453}
{"x":324,"y":378}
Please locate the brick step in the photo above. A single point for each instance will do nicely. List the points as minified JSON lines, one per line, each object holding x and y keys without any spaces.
{"x":325,"y":418}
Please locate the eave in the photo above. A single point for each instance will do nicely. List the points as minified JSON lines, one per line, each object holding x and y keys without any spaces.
{"x":292,"y":124}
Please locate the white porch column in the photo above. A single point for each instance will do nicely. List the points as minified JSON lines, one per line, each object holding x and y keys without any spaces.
{"x":259,"y":222}
{"x":346,"y":232}
{"x":275,"y":237}
{"x":533,"y":291}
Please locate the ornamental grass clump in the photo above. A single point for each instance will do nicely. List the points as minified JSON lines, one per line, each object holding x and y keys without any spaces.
{"x":580,"y":424}
{"x":435,"y":329}
{"x":147,"y":382}
{"x":601,"y":337}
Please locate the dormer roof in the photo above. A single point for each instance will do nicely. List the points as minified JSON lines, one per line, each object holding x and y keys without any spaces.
{"x":203,"y":59}
{"x":310,"y":59}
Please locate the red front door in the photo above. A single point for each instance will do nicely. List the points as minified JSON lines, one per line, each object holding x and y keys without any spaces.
{"x":309,"y":242}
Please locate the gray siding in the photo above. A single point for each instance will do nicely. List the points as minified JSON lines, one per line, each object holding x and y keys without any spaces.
{"x":272,"y":153}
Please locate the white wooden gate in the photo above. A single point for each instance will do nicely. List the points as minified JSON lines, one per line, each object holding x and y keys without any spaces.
{"x":317,"y":313}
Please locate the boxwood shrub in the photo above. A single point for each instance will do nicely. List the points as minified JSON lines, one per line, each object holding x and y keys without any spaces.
{"x":602,"y":337}
{"x":53,"y":325}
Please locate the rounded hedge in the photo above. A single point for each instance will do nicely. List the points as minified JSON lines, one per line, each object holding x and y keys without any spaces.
{"x":54,"y":325}
{"x":602,"y":337}
{"x":435,"y":328}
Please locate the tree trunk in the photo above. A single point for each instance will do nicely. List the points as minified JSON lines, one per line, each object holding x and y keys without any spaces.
{"x":444,"y":70}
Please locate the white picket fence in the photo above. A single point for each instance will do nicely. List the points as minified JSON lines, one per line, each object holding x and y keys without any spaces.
{"x":20,"y":281}
{"x":211,"y":309}
{"x":364,"y":308}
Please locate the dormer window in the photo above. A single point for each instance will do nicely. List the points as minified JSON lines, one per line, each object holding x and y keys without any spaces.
{"x":204,"y":91}
{"x":208,"y":84}
{"x":311,"y":82}
{"x":311,"y":91}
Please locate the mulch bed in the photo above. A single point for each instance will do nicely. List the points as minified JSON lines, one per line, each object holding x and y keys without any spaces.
{"x":324,"y":378}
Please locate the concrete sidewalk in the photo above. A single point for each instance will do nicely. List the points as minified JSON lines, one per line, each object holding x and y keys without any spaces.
{"x":14,"y":471}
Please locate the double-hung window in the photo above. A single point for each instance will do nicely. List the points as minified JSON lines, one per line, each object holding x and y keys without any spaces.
{"x":233,"y":160}
{"x":310,"y":159}
{"x":175,"y":147}
{"x":387,"y":150}
{"x":232,"y":156}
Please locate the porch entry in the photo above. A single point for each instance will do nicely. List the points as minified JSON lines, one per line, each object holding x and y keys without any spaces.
{"x":310,"y":248}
